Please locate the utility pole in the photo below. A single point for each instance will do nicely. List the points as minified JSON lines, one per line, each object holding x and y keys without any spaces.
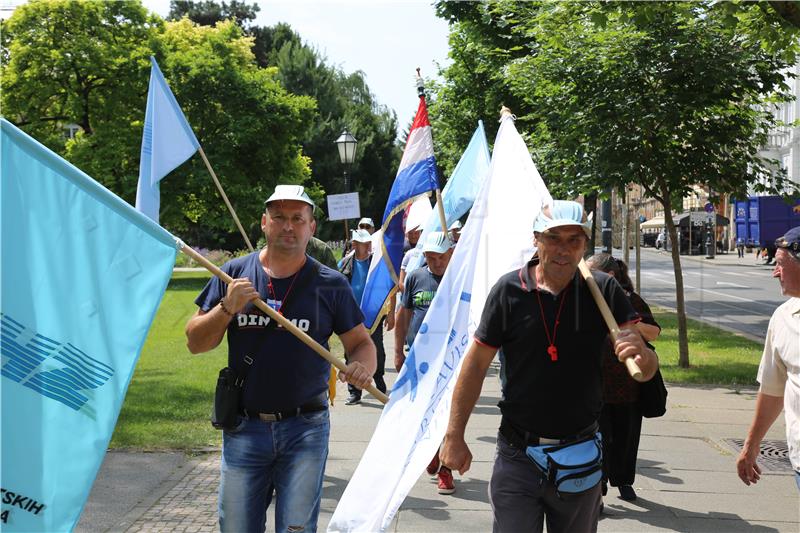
{"x":607,"y":222}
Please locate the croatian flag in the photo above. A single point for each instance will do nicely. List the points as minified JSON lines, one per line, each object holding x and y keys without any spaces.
{"x":415,"y":177}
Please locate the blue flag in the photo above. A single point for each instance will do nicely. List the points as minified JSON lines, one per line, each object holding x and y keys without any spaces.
{"x":82,"y":276}
{"x":167,"y":141}
{"x":461,"y":189}
{"x":416,"y":176}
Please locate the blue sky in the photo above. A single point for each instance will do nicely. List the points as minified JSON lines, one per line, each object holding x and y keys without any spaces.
{"x":387,"y":40}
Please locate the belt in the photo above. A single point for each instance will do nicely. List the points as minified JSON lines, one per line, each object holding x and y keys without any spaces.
{"x":522,"y":439}
{"x":276,"y":416}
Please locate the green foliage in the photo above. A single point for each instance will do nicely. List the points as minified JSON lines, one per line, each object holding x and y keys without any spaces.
{"x":344,"y":101}
{"x":87,"y":63}
{"x":250,"y":126}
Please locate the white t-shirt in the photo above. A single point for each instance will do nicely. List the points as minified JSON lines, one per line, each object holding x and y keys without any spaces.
{"x":779,"y":371}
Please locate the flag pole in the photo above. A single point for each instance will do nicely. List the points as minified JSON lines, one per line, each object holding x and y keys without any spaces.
{"x":613,"y":328}
{"x":280,"y":319}
{"x":225,"y":197}
{"x":439,"y":204}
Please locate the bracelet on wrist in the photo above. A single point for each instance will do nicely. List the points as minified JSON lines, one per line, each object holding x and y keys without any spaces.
{"x":225,"y":309}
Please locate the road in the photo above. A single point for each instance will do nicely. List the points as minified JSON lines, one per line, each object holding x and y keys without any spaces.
{"x":728,"y":292}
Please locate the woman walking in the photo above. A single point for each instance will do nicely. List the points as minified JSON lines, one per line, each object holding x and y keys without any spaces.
{"x":621,"y":417}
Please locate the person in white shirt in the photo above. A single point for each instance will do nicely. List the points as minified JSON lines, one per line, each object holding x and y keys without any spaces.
{"x":779,"y":371}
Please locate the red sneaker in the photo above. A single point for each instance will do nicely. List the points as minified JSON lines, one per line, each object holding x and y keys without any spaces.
{"x":446,"y":484}
{"x":433,"y":467}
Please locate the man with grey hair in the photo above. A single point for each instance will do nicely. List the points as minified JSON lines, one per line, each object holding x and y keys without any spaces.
{"x":779,"y":371}
{"x":551,"y":333}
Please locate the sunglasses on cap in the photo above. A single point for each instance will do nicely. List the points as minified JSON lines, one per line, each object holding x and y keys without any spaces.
{"x":791,"y":247}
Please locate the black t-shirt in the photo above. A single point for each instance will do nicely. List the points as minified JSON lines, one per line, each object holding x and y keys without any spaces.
{"x":285,"y":373}
{"x":554,"y":399}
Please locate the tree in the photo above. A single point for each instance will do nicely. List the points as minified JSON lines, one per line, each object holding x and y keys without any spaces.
{"x":343,"y":101}
{"x":68,"y":62}
{"x":250,"y":127}
{"x":667,"y":96}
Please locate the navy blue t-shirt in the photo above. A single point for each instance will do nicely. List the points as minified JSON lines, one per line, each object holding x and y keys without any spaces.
{"x":285,"y":373}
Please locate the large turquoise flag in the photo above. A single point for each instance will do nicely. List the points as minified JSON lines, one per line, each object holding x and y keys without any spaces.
{"x":82,"y":276}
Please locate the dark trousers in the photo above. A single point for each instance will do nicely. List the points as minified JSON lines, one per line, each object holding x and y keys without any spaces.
{"x":380,"y":384}
{"x":621,"y":426}
{"x":522,"y":501}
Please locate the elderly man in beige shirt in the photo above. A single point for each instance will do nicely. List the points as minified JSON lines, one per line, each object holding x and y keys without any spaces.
{"x":779,"y":372}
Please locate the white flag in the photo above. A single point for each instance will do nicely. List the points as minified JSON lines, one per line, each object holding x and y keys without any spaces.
{"x":497,"y":238}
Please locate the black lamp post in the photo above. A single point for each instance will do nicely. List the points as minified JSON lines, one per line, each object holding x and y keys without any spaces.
{"x":346,"y":144}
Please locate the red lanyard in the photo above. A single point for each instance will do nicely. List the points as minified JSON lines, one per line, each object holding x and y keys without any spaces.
{"x":551,"y":349}
{"x":285,"y":296}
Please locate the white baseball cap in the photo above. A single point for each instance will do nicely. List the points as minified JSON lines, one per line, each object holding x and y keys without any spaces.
{"x":562,"y":213}
{"x":360,"y":235}
{"x":437,"y":242}
{"x":366,"y":221}
{"x":290,"y":192}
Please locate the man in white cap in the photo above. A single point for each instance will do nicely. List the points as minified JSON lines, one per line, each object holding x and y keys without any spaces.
{"x":367,"y":224}
{"x":455,"y":230}
{"x":355,"y":268}
{"x":551,"y":333}
{"x":420,"y":288}
{"x":281,"y":441}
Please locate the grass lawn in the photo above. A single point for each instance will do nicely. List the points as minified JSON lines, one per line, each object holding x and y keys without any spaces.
{"x":169,"y":399}
{"x":715,"y":356}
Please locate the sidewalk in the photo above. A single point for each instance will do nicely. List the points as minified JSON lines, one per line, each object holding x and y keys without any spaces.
{"x":686,"y":478}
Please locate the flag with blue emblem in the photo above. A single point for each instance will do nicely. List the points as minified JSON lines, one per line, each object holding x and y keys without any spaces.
{"x":461,"y":189}
{"x":497,"y":238}
{"x":415,"y":177}
{"x":167,"y":141}
{"x":82,"y":276}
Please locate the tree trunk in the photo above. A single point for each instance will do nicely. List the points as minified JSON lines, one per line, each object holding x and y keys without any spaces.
{"x":683,"y":337}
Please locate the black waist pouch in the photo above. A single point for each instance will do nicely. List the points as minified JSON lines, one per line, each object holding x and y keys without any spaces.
{"x":227,"y":400}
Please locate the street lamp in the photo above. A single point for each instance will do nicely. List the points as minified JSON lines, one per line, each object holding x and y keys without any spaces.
{"x":346,"y":144}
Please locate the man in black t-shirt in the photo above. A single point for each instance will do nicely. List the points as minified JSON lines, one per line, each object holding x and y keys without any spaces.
{"x":551,"y":332}
{"x":281,"y":442}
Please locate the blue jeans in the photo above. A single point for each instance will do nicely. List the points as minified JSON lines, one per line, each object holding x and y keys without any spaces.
{"x":287,"y":456}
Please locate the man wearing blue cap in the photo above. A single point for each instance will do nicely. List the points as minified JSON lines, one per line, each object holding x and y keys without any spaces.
{"x":551,"y":333}
{"x":355,"y":268}
{"x":779,"y":371}
{"x":281,"y":442}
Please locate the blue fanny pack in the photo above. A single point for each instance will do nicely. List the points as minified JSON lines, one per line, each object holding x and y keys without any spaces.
{"x":572,"y":467}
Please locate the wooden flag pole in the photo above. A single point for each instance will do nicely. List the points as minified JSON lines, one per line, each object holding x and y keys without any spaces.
{"x":225,"y":197}
{"x":280,"y":319}
{"x":613,"y":328}
{"x":442,"y":218}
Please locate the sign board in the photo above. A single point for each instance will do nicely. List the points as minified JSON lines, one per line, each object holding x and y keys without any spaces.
{"x":343,"y":206}
{"x":709,"y":207}
{"x":697,"y":218}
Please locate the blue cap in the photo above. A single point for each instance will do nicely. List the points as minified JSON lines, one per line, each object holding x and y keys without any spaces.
{"x":562,"y":213}
{"x":790,"y":241}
